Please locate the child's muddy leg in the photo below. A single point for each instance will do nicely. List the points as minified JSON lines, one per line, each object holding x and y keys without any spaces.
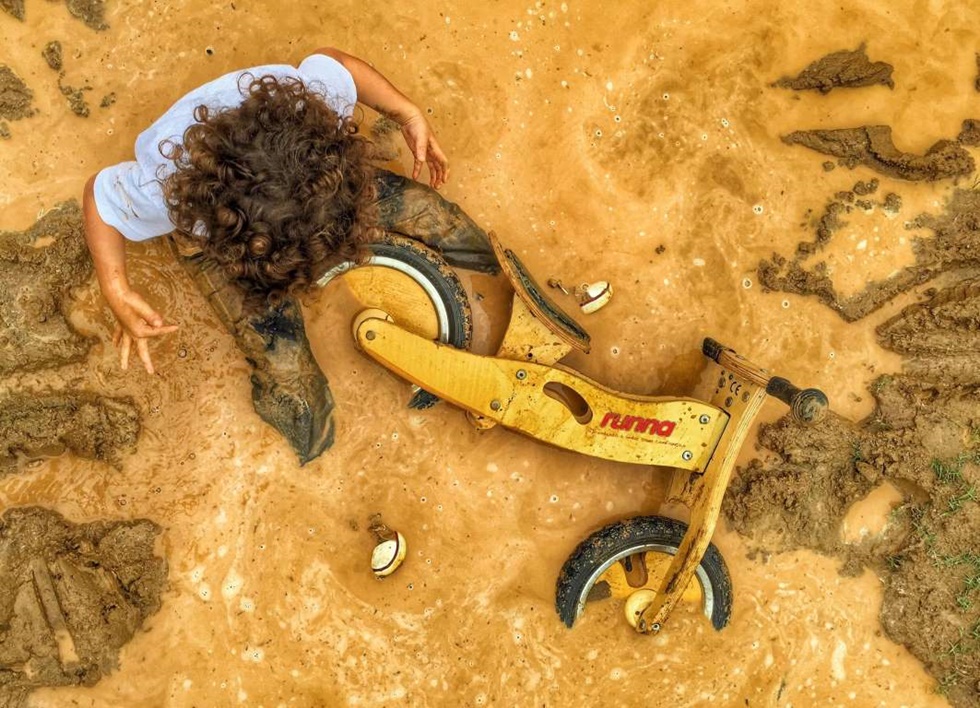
{"x":289,"y":391}
{"x":416,"y":210}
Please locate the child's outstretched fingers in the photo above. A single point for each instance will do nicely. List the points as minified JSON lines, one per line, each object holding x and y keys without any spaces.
{"x":438,"y":166}
{"x":143,"y":349}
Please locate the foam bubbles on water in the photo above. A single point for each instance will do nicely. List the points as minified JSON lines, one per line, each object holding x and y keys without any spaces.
{"x":553,"y":499}
{"x":746,"y":283}
{"x":232,"y":585}
{"x":758,"y":209}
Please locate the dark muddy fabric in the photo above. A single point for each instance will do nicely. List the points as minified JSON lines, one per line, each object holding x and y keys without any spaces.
{"x":289,"y":391}
{"x":416,"y":210}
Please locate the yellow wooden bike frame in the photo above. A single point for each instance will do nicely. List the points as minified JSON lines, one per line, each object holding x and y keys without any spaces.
{"x":524,"y":389}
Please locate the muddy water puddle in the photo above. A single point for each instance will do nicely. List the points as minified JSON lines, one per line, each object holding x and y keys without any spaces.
{"x":637,"y":144}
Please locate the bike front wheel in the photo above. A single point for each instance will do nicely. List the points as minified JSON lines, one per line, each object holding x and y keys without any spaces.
{"x":629,"y":558}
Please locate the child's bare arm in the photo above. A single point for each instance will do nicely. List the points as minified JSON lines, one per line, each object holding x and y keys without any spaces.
{"x":376,"y":91}
{"x":136,"y":319}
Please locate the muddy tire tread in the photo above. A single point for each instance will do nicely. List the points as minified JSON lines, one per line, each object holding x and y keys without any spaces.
{"x":617,"y":537}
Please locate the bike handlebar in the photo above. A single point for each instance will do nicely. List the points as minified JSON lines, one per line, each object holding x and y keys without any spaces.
{"x":807,"y":406}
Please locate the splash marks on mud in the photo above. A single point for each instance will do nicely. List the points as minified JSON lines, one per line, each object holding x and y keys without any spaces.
{"x":38,"y":268}
{"x":844,"y":69}
{"x":872,"y":146}
{"x":71,"y":595}
{"x":42,"y":425}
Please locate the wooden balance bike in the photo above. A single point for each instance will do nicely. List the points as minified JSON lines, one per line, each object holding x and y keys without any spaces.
{"x":417,"y":323}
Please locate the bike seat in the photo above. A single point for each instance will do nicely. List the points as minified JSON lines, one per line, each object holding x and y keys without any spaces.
{"x":533,"y":296}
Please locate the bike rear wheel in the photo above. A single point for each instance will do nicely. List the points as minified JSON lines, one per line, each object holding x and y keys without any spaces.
{"x":379,"y":283}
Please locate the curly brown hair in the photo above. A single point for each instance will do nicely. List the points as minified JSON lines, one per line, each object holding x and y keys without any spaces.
{"x":282,"y":185}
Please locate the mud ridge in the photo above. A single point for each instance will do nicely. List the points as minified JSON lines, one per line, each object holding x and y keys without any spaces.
{"x":38,"y":268}
{"x":34,"y":425}
{"x":71,"y":595}
{"x":954,"y":245}
{"x":843,"y":69}
{"x":873,"y":147}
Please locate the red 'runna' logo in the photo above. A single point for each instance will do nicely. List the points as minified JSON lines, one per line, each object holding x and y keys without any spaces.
{"x":663,"y":428}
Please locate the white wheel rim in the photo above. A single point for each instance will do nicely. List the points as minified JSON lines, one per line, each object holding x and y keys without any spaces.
{"x":442,"y":314}
{"x":707,"y":592}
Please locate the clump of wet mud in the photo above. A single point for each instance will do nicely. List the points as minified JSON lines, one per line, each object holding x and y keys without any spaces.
{"x":13,"y":7}
{"x":15,"y":96}
{"x":71,"y":595}
{"x":76,"y":97}
{"x":52,"y":55}
{"x":38,"y":268}
{"x":15,"y":99}
{"x":91,"y":12}
{"x":844,"y":69}
{"x":955,"y":244}
{"x":923,"y":439}
{"x":872,"y":146}
{"x":969,"y":133}
{"x":108,"y":100}
{"x":37,"y":425}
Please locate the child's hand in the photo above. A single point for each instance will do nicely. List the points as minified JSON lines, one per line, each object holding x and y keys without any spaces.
{"x":136,"y":321}
{"x":422,"y":142}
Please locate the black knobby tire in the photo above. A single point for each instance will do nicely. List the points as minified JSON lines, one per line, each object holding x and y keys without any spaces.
{"x":424,"y":263}
{"x":642,"y":533}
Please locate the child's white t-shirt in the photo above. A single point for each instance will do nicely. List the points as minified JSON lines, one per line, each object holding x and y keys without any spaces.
{"x":129,"y":197}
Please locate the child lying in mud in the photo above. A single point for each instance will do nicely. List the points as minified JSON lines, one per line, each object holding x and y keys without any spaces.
{"x":262,"y":182}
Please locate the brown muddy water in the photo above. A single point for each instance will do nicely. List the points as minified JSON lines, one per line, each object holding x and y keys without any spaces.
{"x":634,"y":142}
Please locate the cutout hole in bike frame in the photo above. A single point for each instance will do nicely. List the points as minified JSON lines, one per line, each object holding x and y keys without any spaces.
{"x":571,"y":399}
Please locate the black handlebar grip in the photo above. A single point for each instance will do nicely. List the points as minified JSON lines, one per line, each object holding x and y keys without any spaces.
{"x":711,"y":349}
{"x":808,"y":406}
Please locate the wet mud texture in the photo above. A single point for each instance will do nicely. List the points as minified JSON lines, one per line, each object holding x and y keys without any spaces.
{"x":969,"y":133}
{"x":76,"y":98}
{"x":955,"y":244}
{"x":52,"y":55}
{"x":872,"y":146}
{"x":15,"y":96}
{"x":38,"y":268}
{"x":13,"y":7}
{"x":71,"y":595}
{"x":924,"y":439}
{"x":844,"y":69}
{"x":34,"y":425}
{"x":91,"y":12}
